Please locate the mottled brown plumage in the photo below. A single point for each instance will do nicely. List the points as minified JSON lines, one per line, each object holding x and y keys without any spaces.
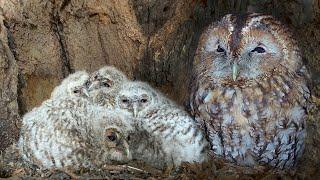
{"x":250,"y":91}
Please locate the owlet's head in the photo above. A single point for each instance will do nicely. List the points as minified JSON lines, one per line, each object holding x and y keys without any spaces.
{"x":111,"y":129}
{"x":106,"y":79}
{"x":136,"y":96}
{"x":75,"y":85}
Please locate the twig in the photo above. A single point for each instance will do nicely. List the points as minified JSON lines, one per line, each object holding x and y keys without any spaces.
{"x":137,"y":169}
{"x":123,"y":168}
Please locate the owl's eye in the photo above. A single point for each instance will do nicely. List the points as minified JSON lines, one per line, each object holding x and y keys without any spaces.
{"x":144,"y":100}
{"x":88,"y":83}
{"x":220,"y":49}
{"x":105,"y":84}
{"x":125,"y":100}
{"x":76,"y":91}
{"x":112,"y":136}
{"x":259,"y":50}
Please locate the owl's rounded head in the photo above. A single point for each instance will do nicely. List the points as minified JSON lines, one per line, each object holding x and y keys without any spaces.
{"x":107,"y":78}
{"x":112,"y":129}
{"x":245,"y":47}
{"x":75,"y":85}
{"x":136,"y":96}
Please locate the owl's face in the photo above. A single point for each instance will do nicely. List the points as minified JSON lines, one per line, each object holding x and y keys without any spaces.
{"x":117,"y":145}
{"x":240,"y":48}
{"x":75,"y":85}
{"x":135,"y":97}
{"x":111,"y":129}
{"x":106,"y":79}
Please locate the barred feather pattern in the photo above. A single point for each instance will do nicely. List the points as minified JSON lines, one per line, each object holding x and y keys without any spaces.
{"x":172,"y":135}
{"x":181,"y":138}
{"x":70,"y":132}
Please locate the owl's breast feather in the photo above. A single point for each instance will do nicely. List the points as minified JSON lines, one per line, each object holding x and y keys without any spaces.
{"x":262,"y":118}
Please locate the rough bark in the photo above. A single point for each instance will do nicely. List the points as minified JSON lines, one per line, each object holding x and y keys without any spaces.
{"x":9,"y":117}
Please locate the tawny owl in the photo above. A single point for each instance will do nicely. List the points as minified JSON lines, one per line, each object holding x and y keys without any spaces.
{"x":104,"y":84}
{"x":172,"y":131}
{"x":74,"y":137}
{"x":250,"y":91}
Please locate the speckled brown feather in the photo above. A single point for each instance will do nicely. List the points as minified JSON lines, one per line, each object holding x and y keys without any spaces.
{"x":259,"y":120}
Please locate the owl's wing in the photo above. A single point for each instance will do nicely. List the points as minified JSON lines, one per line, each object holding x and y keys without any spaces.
{"x":304,"y":86}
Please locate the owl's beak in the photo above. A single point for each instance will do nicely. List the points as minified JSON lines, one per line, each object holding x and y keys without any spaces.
{"x":235,"y":71}
{"x":91,"y":86}
{"x":127,"y":150}
{"x":85,"y":92}
{"x":135,"y":110}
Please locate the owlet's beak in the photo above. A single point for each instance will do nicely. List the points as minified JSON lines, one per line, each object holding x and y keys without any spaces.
{"x":91,"y":86}
{"x":85,"y":92}
{"x":235,"y":71}
{"x":135,"y":110}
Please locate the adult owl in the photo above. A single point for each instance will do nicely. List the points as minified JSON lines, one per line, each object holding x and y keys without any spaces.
{"x":104,"y":84}
{"x":249,"y":91}
{"x":171,"y":136}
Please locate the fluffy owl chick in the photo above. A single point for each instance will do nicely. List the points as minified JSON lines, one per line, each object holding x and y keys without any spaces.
{"x":74,"y":85}
{"x":250,"y":91}
{"x":110,"y":131}
{"x":104,"y":84}
{"x":76,"y":137}
{"x":180,"y":138}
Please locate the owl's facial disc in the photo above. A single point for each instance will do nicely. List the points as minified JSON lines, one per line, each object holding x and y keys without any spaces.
{"x":242,"y":54}
{"x":119,"y":148}
{"x":140,"y":102}
{"x":134,"y":99}
{"x":101,"y":83}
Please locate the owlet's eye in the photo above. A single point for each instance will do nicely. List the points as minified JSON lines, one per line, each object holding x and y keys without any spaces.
{"x":76,"y":91}
{"x":111,"y":136}
{"x":125,"y":100}
{"x":105,"y":84}
{"x":220,"y":49}
{"x":259,"y":50}
{"x":144,"y":100}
